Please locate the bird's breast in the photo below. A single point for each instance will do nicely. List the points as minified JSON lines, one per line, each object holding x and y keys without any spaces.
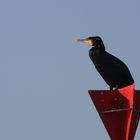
{"x":97,"y":57}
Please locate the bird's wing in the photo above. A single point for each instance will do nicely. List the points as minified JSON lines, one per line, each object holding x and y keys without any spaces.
{"x":117,"y":65}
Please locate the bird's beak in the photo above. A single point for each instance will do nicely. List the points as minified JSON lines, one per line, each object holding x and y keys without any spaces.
{"x":86,"y":41}
{"x":81,"y":40}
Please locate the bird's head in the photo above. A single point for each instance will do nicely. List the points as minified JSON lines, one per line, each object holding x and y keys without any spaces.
{"x":95,"y":41}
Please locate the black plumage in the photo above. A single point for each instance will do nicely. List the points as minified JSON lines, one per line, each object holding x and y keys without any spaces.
{"x":115,"y":72}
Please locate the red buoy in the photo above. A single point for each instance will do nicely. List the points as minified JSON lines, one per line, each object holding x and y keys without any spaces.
{"x":119,"y":111}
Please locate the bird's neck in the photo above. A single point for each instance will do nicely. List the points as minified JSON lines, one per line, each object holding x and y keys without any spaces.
{"x":97,"y":54}
{"x":100,"y":48}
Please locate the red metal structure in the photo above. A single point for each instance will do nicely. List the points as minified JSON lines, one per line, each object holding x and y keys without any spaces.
{"x":119,"y":111}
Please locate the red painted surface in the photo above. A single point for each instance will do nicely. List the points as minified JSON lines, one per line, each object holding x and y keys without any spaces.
{"x":128,"y":93}
{"x":119,"y":111}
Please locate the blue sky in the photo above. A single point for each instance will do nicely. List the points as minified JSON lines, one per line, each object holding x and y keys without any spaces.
{"x":45,"y":74}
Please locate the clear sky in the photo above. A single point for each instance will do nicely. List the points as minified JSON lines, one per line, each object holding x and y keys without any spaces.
{"x":45,"y":74}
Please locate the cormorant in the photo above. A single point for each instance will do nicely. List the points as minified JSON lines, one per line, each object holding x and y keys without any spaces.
{"x":115,"y":73}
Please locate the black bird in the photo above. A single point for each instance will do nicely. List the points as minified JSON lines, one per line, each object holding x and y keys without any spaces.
{"x":115,"y":73}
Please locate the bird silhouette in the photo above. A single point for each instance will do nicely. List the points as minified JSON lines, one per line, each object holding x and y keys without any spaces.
{"x":115,"y":72}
